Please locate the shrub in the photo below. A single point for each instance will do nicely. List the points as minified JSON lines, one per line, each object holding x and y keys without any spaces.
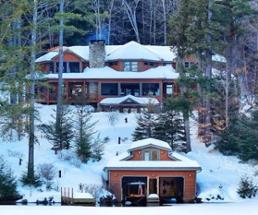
{"x":7,"y":182}
{"x":36,"y":182}
{"x":247,"y":189}
{"x":47,"y":171}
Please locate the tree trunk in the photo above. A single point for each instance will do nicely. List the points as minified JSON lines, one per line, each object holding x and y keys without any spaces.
{"x":164,"y":21}
{"x":186,"y":118}
{"x":60,"y":71}
{"x":30,"y":174}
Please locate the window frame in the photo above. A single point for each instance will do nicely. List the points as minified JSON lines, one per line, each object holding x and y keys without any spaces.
{"x":150,"y":151}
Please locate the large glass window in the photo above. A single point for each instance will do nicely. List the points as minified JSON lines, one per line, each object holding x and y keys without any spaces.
{"x":76,"y":89}
{"x":64,"y":67}
{"x":109,"y":89}
{"x":131,"y":66}
{"x":74,"y":67}
{"x":150,"y":89}
{"x":130,"y":89}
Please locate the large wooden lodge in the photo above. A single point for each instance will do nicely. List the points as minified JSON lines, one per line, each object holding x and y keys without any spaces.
{"x":96,"y":72}
{"x":105,"y":75}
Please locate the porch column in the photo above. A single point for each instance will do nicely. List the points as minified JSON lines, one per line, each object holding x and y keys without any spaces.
{"x":140,"y":89}
{"x":47,"y":99}
{"x":67,"y":90}
{"x":161,"y":92}
{"x":158,"y":186}
{"x":148,"y":187}
{"x":119,"y":89}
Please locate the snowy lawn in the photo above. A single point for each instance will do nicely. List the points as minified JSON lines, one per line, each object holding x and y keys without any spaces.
{"x":249,"y":208}
{"x":220,"y":174}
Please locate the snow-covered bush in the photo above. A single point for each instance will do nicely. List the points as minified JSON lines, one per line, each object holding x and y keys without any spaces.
{"x":70,"y":157}
{"x":247,"y":189}
{"x":47,"y":172}
{"x":102,"y":196}
{"x":113,"y":118}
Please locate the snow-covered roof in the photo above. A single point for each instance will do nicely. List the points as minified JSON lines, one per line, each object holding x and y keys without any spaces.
{"x":181,"y":162}
{"x":139,"y":100}
{"x":47,"y":57}
{"x":133,"y":51}
{"x":149,"y":142}
{"x":129,"y":51}
{"x":219,"y":58}
{"x":161,"y":72}
{"x":178,"y":161}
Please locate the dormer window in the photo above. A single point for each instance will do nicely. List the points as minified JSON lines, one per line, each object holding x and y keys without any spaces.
{"x":150,"y":155}
{"x":131,"y":66}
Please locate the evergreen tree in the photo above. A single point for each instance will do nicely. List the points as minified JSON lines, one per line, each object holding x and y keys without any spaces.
{"x":97,"y":149}
{"x":170,"y":128}
{"x":61,"y":138}
{"x":145,"y":126}
{"x":84,"y":134}
{"x":241,"y":138}
{"x":7,"y":183}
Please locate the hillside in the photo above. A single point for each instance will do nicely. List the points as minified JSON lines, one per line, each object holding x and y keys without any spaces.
{"x":220,"y":174}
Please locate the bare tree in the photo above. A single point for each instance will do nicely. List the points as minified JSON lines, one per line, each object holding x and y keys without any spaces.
{"x":60,"y":68}
{"x":131,"y":10}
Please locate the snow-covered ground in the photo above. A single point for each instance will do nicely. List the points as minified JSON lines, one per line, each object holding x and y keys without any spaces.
{"x":220,"y":174}
{"x":249,"y":208}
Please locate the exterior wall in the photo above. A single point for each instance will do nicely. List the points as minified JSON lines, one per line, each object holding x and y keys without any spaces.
{"x":115,"y":181}
{"x":137,"y":154}
{"x":119,"y":65}
{"x":68,"y":57}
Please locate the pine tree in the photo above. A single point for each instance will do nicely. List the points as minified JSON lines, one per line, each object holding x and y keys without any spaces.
{"x":170,"y":128}
{"x":84,"y":134}
{"x":61,"y":138}
{"x":241,"y":138}
{"x":8,"y":183}
{"x":97,"y":149}
{"x":145,"y":126}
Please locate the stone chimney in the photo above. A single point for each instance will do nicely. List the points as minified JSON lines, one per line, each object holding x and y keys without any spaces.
{"x":97,"y":53}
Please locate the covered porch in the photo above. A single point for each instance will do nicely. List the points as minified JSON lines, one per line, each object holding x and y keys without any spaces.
{"x":144,"y":189}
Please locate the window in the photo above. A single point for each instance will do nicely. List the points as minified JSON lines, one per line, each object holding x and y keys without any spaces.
{"x":150,"y":89}
{"x":64,"y":67}
{"x":131,"y":66}
{"x":113,"y":63}
{"x":169,"y":89}
{"x":109,"y":89}
{"x":76,"y":89}
{"x":51,"y":67}
{"x":187,"y":64}
{"x":130,"y":89}
{"x":74,"y":67}
{"x":147,"y":156}
{"x":150,"y":154}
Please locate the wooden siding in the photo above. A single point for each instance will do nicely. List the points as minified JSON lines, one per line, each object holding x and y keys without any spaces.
{"x":115,"y":181}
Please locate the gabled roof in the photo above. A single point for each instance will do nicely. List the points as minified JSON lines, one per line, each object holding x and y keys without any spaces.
{"x":129,"y":98}
{"x":133,"y":51}
{"x":149,"y":142}
{"x":179,"y":161}
{"x":129,"y":51}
